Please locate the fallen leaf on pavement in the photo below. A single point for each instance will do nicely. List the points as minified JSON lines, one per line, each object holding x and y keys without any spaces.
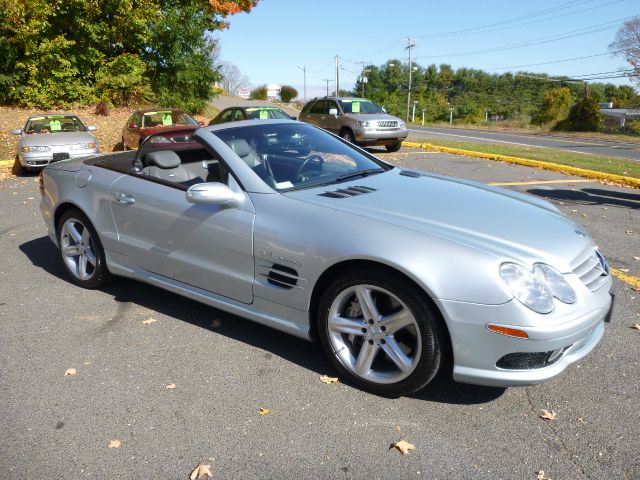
{"x":625,"y":270}
{"x":326,"y":379}
{"x":541,"y":476}
{"x":200,"y":471}
{"x":629,"y":232}
{"x":114,"y":444}
{"x":548,"y":414}
{"x":264,"y":411}
{"x":636,"y":258}
{"x":70,"y":372}
{"x":403,"y":447}
{"x":149,"y":321}
{"x":636,"y":326}
{"x":86,"y":363}
{"x":171,"y":386}
{"x":635,"y":289}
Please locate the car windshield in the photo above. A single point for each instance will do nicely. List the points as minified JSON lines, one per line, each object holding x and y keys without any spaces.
{"x":266,"y":113}
{"x":54,"y":124}
{"x":358,"y":105}
{"x":291,"y":156}
{"x":166,"y":118}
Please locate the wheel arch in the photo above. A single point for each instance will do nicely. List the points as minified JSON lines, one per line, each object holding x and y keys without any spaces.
{"x":61,"y":209}
{"x":348,"y":265}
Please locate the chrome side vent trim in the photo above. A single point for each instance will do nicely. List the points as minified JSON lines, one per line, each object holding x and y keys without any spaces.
{"x":282,"y":276}
{"x":592,"y":271}
{"x":347,"y":192}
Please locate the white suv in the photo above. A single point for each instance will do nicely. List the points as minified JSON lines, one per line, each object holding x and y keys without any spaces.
{"x":357,"y":120}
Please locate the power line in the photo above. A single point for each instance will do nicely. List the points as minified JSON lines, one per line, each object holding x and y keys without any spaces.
{"x":539,"y":41}
{"x":555,"y":61}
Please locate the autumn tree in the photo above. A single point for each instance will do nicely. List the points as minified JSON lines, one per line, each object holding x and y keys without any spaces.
{"x":584,"y":114}
{"x":79,"y":52}
{"x":287,"y":93}
{"x":259,"y":93}
{"x":627,"y":44}
{"x":555,"y":107}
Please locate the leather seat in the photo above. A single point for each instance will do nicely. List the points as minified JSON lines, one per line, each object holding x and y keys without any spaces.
{"x":260,"y":166}
{"x":166,"y":165}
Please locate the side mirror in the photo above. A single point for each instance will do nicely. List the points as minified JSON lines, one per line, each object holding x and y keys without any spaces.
{"x":133,"y":125}
{"x":91,"y":128}
{"x":383,"y":110}
{"x":16,"y":131}
{"x":212,"y":193}
{"x":333,"y":111}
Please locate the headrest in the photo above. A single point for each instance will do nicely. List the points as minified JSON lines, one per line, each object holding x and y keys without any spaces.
{"x":162,"y":158}
{"x":240,"y":146}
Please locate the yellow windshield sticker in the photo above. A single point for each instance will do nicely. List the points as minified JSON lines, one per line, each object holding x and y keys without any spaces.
{"x":264,"y":114}
{"x":55,"y":126}
{"x":355,"y":107}
{"x":166,"y":119}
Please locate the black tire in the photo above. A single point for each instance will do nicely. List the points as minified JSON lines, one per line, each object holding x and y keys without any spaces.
{"x":17,"y":169}
{"x":428,"y":328}
{"x":347,"y":134}
{"x":393,"y":147}
{"x":98,"y":274}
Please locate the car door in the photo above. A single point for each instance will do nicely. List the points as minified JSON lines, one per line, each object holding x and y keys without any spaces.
{"x":331,"y":121}
{"x":202,"y":245}
{"x":315,"y":113}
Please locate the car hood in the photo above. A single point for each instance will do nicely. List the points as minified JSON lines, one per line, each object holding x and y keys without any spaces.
{"x":506,"y":224}
{"x":364,"y":117}
{"x":51,"y":139}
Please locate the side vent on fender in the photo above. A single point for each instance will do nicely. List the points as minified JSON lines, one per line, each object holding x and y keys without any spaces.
{"x":410,"y":173}
{"x":347,"y":192}
{"x":282,"y":276}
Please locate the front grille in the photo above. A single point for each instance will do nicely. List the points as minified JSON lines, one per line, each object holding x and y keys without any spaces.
{"x":530,"y":360}
{"x":347,"y":192}
{"x":388,"y":124}
{"x":592,"y":271}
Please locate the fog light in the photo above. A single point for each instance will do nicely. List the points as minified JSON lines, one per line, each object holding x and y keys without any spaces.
{"x":511,"y":332}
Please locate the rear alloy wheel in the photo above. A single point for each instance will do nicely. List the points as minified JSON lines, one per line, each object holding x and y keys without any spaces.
{"x":393,"y":147}
{"x":81,"y":250}
{"x":347,"y":135}
{"x":380,"y":332}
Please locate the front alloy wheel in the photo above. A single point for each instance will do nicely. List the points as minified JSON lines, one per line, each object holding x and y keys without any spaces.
{"x":381,"y":333}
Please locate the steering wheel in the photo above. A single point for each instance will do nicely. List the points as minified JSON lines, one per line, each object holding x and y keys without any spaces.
{"x":314,"y":162}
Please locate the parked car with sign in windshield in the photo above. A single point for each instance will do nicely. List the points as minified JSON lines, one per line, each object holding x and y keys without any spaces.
{"x":50,"y":138}
{"x":357,"y":120}
{"x":151,"y":121}
{"x":250,"y":112}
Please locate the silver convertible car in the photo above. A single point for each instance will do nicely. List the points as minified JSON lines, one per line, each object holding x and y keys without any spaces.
{"x":400,"y":275}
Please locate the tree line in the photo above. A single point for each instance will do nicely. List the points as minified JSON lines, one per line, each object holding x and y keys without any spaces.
{"x":56,"y":54}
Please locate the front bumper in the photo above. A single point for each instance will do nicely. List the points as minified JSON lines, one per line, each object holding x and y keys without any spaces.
{"x":37,"y":160}
{"x":564,"y":337}
{"x":380,"y":136}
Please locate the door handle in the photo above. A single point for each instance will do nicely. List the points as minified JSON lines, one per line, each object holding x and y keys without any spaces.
{"x":124,"y":198}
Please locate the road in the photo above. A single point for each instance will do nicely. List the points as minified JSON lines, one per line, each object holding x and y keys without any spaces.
{"x":225,"y":368}
{"x":629,"y":151}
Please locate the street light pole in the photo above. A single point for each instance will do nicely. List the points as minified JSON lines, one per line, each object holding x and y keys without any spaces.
{"x":304,"y":73}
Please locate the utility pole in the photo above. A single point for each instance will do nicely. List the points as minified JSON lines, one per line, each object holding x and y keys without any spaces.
{"x":304,"y":72}
{"x":327,"y":80}
{"x":409,"y":47}
{"x":450,"y":115}
{"x":337,"y":76}
{"x":423,"y":117}
{"x":363,"y":79}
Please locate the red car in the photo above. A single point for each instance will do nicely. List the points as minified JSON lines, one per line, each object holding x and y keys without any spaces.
{"x":155,"y":120}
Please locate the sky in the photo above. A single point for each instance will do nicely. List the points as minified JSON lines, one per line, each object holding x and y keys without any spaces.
{"x":277,"y":36}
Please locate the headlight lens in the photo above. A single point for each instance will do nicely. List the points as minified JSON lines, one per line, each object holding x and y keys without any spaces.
{"x":365,"y":124}
{"x":536,"y":289}
{"x":400,"y":124}
{"x":34,"y":149}
{"x":82,"y":146}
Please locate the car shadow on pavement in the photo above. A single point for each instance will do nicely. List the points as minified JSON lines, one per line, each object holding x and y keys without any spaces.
{"x":43,"y":254}
{"x":591,"y":196}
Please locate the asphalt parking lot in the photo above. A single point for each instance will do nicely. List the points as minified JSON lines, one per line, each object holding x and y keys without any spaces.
{"x":225,"y":369}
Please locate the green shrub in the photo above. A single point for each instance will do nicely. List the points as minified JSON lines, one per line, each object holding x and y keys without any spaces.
{"x":259,"y":93}
{"x":287,"y":93}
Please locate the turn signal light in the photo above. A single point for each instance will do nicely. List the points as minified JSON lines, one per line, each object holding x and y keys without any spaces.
{"x":511,"y":332}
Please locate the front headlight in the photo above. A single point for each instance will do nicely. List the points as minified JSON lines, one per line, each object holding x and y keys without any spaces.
{"x":536,"y":289}
{"x":365,"y":124}
{"x":34,"y":149}
{"x":82,"y":146}
{"x":400,"y":124}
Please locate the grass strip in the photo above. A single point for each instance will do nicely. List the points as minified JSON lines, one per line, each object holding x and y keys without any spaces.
{"x":623,"y":172}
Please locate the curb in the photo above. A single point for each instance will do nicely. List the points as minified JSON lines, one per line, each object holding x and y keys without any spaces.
{"x":555,"y":167}
{"x":6,"y":162}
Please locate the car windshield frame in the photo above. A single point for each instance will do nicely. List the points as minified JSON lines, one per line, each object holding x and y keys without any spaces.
{"x":290,"y":147}
{"x":364,"y":106}
{"x":279,"y":113}
{"x":163,"y":118}
{"x":54,"y":124}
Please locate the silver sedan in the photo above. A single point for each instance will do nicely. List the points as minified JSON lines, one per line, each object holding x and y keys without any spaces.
{"x":400,"y":275}
{"x":51,"y":138}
